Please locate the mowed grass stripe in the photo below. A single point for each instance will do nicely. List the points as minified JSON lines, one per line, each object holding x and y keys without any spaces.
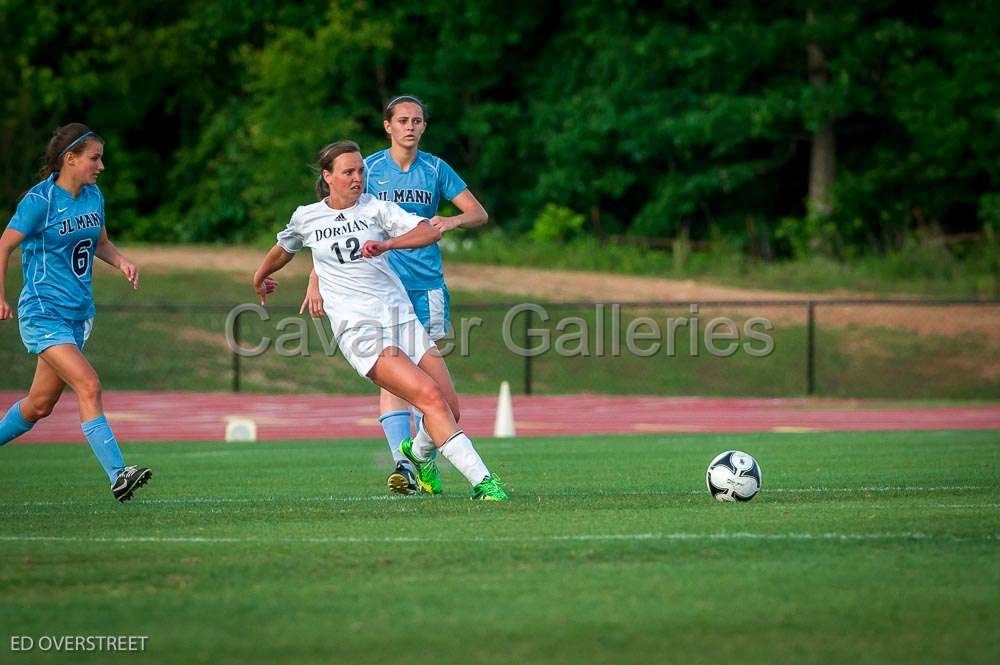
{"x":583,"y":537}
{"x":452,"y":497}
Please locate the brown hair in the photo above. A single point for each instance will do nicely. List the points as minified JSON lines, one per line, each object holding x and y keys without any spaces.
{"x":390,"y":108}
{"x":74,"y":138}
{"x":326,"y":158}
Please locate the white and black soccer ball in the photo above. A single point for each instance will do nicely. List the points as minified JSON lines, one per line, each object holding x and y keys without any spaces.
{"x":733,"y":476}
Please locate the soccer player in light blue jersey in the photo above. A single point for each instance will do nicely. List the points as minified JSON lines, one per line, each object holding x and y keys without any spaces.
{"x":417,"y":181}
{"x":59,"y":225}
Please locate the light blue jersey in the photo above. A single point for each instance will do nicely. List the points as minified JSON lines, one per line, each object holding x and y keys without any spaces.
{"x":419,"y":191}
{"x":57,"y":253}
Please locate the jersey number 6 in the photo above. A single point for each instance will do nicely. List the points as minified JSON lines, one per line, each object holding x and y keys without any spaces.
{"x":81,"y":257}
{"x":353,"y":245}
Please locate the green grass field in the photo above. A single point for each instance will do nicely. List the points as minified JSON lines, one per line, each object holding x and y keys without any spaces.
{"x":862,"y":548}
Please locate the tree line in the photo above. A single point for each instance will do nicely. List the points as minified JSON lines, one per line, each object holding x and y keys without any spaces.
{"x":789,"y":127}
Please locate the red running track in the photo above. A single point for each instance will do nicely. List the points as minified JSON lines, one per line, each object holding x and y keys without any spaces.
{"x":179,"y":416}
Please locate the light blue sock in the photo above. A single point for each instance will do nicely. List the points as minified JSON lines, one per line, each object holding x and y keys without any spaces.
{"x":396,"y":425}
{"x":104,"y":444}
{"x":418,"y":417}
{"x":13,"y":424}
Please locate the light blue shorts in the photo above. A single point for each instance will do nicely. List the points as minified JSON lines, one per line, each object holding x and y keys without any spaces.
{"x":433,"y":308}
{"x":40,"y":332}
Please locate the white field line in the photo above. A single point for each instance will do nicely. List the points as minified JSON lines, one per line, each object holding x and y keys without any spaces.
{"x":387,"y":497}
{"x":616,"y":537}
{"x":875,"y":488}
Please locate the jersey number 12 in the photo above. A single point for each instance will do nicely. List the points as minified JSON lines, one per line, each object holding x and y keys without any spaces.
{"x":353,"y":246}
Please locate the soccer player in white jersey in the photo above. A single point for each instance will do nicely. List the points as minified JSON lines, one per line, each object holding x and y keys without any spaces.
{"x":349,"y":232}
{"x":417,"y":181}
{"x":59,"y":225}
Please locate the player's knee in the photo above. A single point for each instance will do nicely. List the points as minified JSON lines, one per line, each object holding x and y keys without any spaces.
{"x":432,"y":399}
{"x":88,"y":389}
{"x":34,"y":409}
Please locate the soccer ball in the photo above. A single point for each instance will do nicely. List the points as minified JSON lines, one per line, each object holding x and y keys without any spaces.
{"x":733,"y":476}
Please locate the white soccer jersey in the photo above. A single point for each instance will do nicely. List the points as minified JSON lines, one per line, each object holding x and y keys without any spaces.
{"x":356,"y":291}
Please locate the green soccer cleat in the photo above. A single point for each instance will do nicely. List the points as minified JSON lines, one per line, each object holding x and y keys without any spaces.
{"x":489,"y":489}
{"x":428,"y":476}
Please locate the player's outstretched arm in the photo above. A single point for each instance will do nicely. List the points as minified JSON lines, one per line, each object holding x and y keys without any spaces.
{"x":473,"y":214}
{"x":107,"y":252}
{"x":275,"y":260}
{"x":421,"y":235}
{"x":8,"y":241}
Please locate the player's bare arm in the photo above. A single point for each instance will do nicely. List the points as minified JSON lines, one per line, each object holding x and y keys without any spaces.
{"x":421,"y":235}
{"x":8,"y":241}
{"x":313,"y":302}
{"x":107,"y":252}
{"x":473,"y":214}
{"x":275,"y":260}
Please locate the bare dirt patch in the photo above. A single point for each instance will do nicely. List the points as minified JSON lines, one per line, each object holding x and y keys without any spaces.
{"x":199,"y":336}
{"x":243,"y":260}
{"x":557,"y":285}
{"x":603,"y":287}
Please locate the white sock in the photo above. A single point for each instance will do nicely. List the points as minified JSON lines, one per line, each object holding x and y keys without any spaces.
{"x":459,"y":451}
{"x":418,"y":416}
{"x":423,"y":447}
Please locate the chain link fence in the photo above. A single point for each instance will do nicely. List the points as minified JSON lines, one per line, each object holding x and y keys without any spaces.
{"x":890,"y":349}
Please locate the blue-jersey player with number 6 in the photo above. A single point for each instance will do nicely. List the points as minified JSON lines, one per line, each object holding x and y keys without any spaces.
{"x":418,"y":182}
{"x":59,"y":226}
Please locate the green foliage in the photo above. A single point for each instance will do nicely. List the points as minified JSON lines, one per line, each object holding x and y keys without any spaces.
{"x":582,"y":253}
{"x":302,"y":91}
{"x":808,"y":236}
{"x":652,"y":121}
{"x":556,"y":223}
{"x":989,"y":212}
